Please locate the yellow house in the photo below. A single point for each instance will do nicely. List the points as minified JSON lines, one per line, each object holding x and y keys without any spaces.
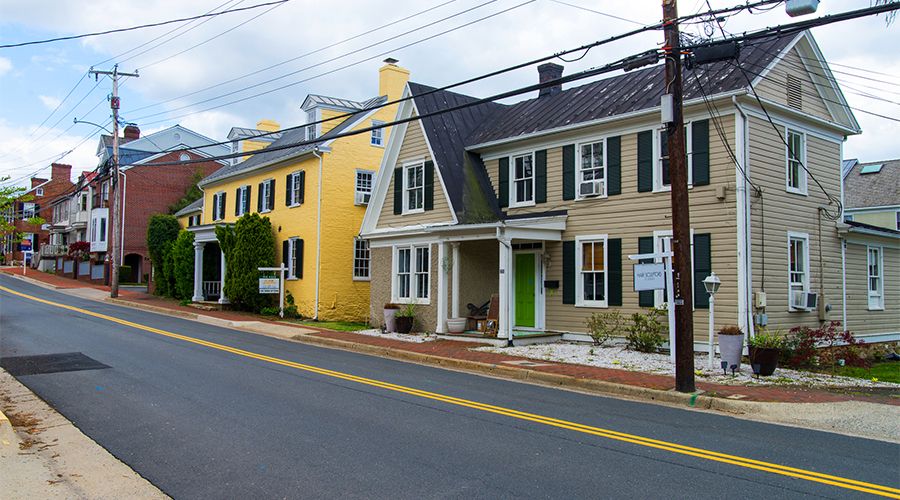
{"x":315,"y":196}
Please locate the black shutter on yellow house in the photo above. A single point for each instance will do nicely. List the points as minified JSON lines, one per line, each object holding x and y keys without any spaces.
{"x":398,"y":191}
{"x":429,"y":185}
{"x":222,"y":205}
{"x":645,"y":161}
{"x":614,"y":267}
{"x":702,"y":268}
{"x":247,"y":192}
{"x":700,"y":152}
{"x":285,"y":252}
{"x":298,"y":259}
{"x":237,"y":202}
{"x":259,"y":199}
{"x":614,"y":165}
{"x":503,"y":187}
{"x":645,"y":245}
{"x":302,"y":180}
{"x":288,"y":187}
{"x":569,"y":272}
{"x":272,"y":194}
{"x":540,"y":176}
{"x":568,"y":172}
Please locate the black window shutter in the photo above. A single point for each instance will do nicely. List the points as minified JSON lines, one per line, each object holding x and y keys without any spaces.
{"x":259,"y":207}
{"x":645,"y":245}
{"x":700,"y":152}
{"x":429,"y":185}
{"x":285,"y":252}
{"x":540,"y":176}
{"x":702,"y":268}
{"x":298,"y":258}
{"x":302,"y":181}
{"x":614,"y":165}
{"x":247,"y":193}
{"x":215,"y":207}
{"x":222,"y":206}
{"x":398,"y":191}
{"x":503,"y":188}
{"x":288,"y":186}
{"x":569,"y":172}
{"x":568,"y":272}
{"x":645,"y":161}
{"x":237,"y":202}
{"x":614,"y":268}
{"x":272,"y":194}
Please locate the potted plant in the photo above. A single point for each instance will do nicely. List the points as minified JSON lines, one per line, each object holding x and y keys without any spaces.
{"x":456,"y":325}
{"x":731,"y":346}
{"x":765,"y":348}
{"x":405,"y":317}
{"x":390,"y":324}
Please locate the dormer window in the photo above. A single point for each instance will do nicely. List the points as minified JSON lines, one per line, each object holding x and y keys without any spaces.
{"x":377,"y":138}
{"x":311,"y":128}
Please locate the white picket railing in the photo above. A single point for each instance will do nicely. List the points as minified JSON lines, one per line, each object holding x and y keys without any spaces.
{"x":212,"y":289}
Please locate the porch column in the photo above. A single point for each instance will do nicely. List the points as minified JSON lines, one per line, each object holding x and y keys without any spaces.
{"x":454,"y":279}
{"x":442,"y":298}
{"x":222,"y":298}
{"x":198,"y":271}
{"x":504,"y":325}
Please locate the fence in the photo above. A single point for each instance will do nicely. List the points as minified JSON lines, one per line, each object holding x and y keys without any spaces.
{"x":212,"y":289}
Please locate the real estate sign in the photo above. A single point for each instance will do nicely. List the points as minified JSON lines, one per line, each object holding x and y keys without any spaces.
{"x":649,"y":277}
{"x":269,"y":285}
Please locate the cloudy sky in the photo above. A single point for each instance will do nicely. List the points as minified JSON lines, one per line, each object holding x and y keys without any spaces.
{"x":235,"y":69}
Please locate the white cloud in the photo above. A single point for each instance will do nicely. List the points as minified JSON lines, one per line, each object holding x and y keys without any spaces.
{"x":5,"y":65}
{"x":49,"y":102}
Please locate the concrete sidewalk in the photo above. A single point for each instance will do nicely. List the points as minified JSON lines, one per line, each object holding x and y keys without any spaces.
{"x":845,"y":411}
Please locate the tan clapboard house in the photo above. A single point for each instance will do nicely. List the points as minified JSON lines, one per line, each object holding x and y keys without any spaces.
{"x":542,"y":202}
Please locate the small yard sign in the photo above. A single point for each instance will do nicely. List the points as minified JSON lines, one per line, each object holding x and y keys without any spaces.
{"x":269,"y":285}
{"x":649,"y":277}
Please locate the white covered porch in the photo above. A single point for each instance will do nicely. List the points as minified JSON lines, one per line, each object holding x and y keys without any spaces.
{"x":209,"y":266}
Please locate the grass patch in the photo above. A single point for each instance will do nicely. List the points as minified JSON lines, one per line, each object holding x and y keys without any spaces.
{"x":885,"y":371}
{"x":340,"y":326}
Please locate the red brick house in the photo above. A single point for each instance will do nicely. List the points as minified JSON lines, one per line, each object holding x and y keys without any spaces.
{"x":36,"y":202}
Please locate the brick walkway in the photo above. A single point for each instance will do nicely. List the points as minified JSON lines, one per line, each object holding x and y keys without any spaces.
{"x":463,"y":351}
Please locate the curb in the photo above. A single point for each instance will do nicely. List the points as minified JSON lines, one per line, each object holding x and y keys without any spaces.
{"x":7,"y":433}
{"x":156,"y":309}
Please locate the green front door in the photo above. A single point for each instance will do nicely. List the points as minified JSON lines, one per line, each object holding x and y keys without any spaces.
{"x":524,"y":289}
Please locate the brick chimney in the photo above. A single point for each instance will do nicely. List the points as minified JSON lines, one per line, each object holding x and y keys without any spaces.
{"x":546,"y":73}
{"x":37,"y":181}
{"x":132,"y":131}
{"x":61,"y":171}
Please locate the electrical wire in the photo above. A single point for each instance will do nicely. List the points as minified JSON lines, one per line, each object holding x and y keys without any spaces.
{"x":606,"y":14}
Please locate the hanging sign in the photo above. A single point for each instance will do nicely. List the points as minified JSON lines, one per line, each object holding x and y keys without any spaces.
{"x":269,"y":285}
{"x":649,"y":277}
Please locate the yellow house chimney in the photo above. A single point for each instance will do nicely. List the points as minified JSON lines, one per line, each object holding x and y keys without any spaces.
{"x":268,"y":125}
{"x":392,"y":79}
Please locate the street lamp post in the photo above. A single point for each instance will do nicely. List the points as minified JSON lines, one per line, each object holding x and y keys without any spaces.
{"x":711,"y":283}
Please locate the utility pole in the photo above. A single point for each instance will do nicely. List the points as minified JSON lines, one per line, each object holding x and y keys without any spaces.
{"x":114,"y":218}
{"x":681,"y":217}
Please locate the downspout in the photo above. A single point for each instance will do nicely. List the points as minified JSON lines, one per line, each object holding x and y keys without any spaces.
{"x":745,"y":293}
{"x":844,"y":284}
{"x":318,"y":232}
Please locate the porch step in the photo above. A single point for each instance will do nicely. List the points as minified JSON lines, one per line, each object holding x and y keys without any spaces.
{"x":206,"y":305}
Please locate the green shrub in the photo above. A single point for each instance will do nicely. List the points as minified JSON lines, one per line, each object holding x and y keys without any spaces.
{"x":248,"y":245}
{"x":124,"y":273}
{"x":269,"y":311}
{"x":604,"y":326}
{"x":645,"y":333}
{"x":766,"y":340}
{"x":290,"y":308}
{"x":166,"y":279}
{"x":183,"y":265}
{"x":162,"y":231}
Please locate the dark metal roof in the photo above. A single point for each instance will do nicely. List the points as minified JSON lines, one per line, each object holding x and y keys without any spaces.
{"x":293,"y":136}
{"x":464,"y":174}
{"x":870,"y":227}
{"x":619,"y":95}
{"x":195,"y":206}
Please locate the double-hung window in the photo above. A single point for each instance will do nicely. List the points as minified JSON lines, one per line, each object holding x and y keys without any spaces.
{"x":360,"y":259}
{"x":592,"y":170}
{"x":364,"y":179}
{"x":795,"y":153}
{"x":27,"y":210}
{"x":218,"y":206}
{"x":242,"y":203}
{"x":104,"y":194}
{"x":39,"y":192}
{"x":523,"y":180}
{"x":377,"y":138}
{"x":414,"y":188}
{"x":798,"y":267}
{"x":592,"y":279}
{"x":661,"y":177}
{"x":875,"y":278}
{"x":412,"y":274}
{"x":265,"y":196}
{"x":312,"y":127}
{"x":298,"y":179}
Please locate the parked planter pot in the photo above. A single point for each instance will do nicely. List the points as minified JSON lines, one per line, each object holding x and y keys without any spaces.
{"x":731,"y":347}
{"x":390,"y":323}
{"x":456,"y":325}
{"x":404,"y":324}
{"x":766,"y":358}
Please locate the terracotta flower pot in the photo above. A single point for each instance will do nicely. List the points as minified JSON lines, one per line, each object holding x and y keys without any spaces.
{"x":766,"y":358}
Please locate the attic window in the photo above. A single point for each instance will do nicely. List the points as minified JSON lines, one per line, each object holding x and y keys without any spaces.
{"x":794,"y":92}
{"x":871,"y":169}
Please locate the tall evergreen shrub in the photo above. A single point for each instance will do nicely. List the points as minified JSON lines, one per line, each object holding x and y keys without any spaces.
{"x":162,"y":231}
{"x":248,"y":245}
{"x":183,"y":265}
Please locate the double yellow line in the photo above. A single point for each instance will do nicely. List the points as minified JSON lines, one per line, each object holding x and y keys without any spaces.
{"x":840,"y":482}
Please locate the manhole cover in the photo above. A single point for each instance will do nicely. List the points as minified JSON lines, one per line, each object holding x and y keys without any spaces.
{"x":49,"y":363}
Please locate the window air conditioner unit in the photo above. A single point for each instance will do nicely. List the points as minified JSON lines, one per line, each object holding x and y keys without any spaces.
{"x":363,"y":198}
{"x":591,"y":188}
{"x":804,"y":300}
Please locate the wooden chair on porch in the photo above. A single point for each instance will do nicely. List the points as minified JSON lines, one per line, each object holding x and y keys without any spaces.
{"x":490,"y":325}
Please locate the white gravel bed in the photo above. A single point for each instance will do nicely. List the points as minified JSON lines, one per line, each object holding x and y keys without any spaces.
{"x":623,"y":359}
{"x":405,"y":337}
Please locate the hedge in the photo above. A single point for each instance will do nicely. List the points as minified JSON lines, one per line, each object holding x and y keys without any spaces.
{"x":247,"y":245}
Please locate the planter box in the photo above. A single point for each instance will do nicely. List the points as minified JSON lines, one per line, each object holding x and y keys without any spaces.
{"x":456,"y":325}
{"x":730,"y":348}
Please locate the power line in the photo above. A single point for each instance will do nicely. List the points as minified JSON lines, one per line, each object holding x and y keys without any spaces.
{"x":606,"y":14}
{"x":142,"y":26}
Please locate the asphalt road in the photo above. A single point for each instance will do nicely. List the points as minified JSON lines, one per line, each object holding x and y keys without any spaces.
{"x":199,"y":421}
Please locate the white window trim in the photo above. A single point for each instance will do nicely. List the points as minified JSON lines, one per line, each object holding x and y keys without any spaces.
{"x":412,"y":276}
{"x":369,"y":260}
{"x":579,"y":277}
{"x":380,"y":133}
{"x":659,"y":296}
{"x":245,"y":193}
{"x":357,"y":192}
{"x":794,"y":235}
{"x":658,"y":186}
{"x":267,"y":190}
{"x":314,"y":114}
{"x":512,"y":181}
{"x":295,"y":176}
{"x":216,"y":215}
{"x":803,"y":189}
{"x":291,"y":272}
{"x":578,"y":169}
{"x":39,"y":192}
{"x":878,"y":304}
{"x":406,"y":210}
